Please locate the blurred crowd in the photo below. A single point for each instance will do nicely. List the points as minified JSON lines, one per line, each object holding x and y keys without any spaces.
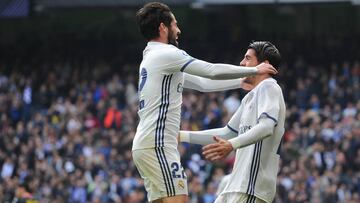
{"x":66,"y":132}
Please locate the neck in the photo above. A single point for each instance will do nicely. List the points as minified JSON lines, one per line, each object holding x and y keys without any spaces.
{"x":160,"y":39}
{"x":261,"y":78}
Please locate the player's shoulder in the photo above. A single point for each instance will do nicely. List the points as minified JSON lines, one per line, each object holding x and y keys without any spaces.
{"x":167,"y":52}
{"x":269,"y":84}
{"x":174,"y":53}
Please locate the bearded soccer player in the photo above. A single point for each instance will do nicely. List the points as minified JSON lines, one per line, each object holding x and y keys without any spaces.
{"x":164,"y":71}
{"x":254,"y":131}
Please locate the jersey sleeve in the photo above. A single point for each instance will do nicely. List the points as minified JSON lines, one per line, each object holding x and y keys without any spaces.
{"x":268,"y":104}
{"x":175,"y":60}
{"x":217,"y":71}
{"x":234,"y":122}
{"x":205,"y":137}
{"x":207,"y":85}
{"x":260,"y":131}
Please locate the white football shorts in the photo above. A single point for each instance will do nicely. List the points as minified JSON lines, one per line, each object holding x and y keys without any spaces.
{"x":162,"y":172}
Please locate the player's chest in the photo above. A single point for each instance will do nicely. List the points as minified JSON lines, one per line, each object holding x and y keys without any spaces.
{"x":249,"y":110}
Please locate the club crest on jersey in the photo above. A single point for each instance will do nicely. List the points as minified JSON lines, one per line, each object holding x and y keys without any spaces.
{"x":181,"y":184}
{"x":179,"y":88}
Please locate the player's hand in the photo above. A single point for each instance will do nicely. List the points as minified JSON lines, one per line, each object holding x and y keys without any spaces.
{"x":218,"y":150}
{"x":265,"y":68}
{"x":246,"y":86}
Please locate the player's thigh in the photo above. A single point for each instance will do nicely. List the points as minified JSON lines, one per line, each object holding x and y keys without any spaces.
{"x":146,"y":163}
{"x":162,"y":172}
{"x":174,"y":199}
{"x":237,"y":197}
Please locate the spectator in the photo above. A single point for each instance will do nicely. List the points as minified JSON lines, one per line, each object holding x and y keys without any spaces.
{"x":113,"y":116}
{"x":70,"y":140}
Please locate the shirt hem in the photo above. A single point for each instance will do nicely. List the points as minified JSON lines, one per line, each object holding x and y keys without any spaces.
{"x":257,"y":195}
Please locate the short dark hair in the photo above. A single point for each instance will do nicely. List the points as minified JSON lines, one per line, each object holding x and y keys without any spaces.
{"x":265,"y":50}
{"x":149,"y":18}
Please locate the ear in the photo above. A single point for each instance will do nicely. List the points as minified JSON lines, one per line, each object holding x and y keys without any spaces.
{"x":162,"y":28}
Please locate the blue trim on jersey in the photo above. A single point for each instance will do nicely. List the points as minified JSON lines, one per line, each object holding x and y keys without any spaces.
{"x":232,"y":129}
{"x":157,"y":132}
{"x":162,"y":134}
{"x":255,"y":165}
{"x":159,"y":135}
{"x":251,"y":199}
{"x":279,"y":147}
{"x":258,"y":166}
{"x":167,"y":104}
{"x":186,"y":64}
{"x":268,"y":116}
{"x":164,"y":105}
{"x":161,"y":113}
{"x":251,"y":169}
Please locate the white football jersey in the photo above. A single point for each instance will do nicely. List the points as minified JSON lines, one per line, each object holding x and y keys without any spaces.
{"x":256,"y":166}
{"x":160,"y":95}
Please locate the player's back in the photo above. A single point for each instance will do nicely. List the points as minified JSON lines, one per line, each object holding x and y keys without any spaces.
{"x":160,"y":96}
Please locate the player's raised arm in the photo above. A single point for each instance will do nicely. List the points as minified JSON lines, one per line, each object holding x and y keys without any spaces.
{"x":207,"y":85}
{"x":219,"y":71}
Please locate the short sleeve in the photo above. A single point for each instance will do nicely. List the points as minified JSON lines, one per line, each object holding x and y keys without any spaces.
{"x":268,"y":104}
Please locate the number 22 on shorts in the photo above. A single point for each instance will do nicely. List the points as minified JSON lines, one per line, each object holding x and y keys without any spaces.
{"x":177,"y":172}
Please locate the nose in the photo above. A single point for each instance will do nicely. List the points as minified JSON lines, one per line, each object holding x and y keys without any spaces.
{"x":242,"y":63}
{"x":179,"y":31}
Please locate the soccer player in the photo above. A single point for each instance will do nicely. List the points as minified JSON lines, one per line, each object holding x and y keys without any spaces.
{"x":254,"y":131}
{"x":164,"y":71}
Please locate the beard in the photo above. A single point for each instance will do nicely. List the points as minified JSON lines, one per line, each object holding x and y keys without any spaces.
{"x":172,"y":38}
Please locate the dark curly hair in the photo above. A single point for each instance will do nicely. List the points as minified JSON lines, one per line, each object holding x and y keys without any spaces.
{"x":149,"y":18}
{"x":265,"y":50}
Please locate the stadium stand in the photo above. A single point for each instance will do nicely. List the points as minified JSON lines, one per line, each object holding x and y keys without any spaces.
{"x":68,"y":115}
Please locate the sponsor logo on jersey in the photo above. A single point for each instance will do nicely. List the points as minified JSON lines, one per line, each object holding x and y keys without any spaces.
{"x":244,"y":128}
